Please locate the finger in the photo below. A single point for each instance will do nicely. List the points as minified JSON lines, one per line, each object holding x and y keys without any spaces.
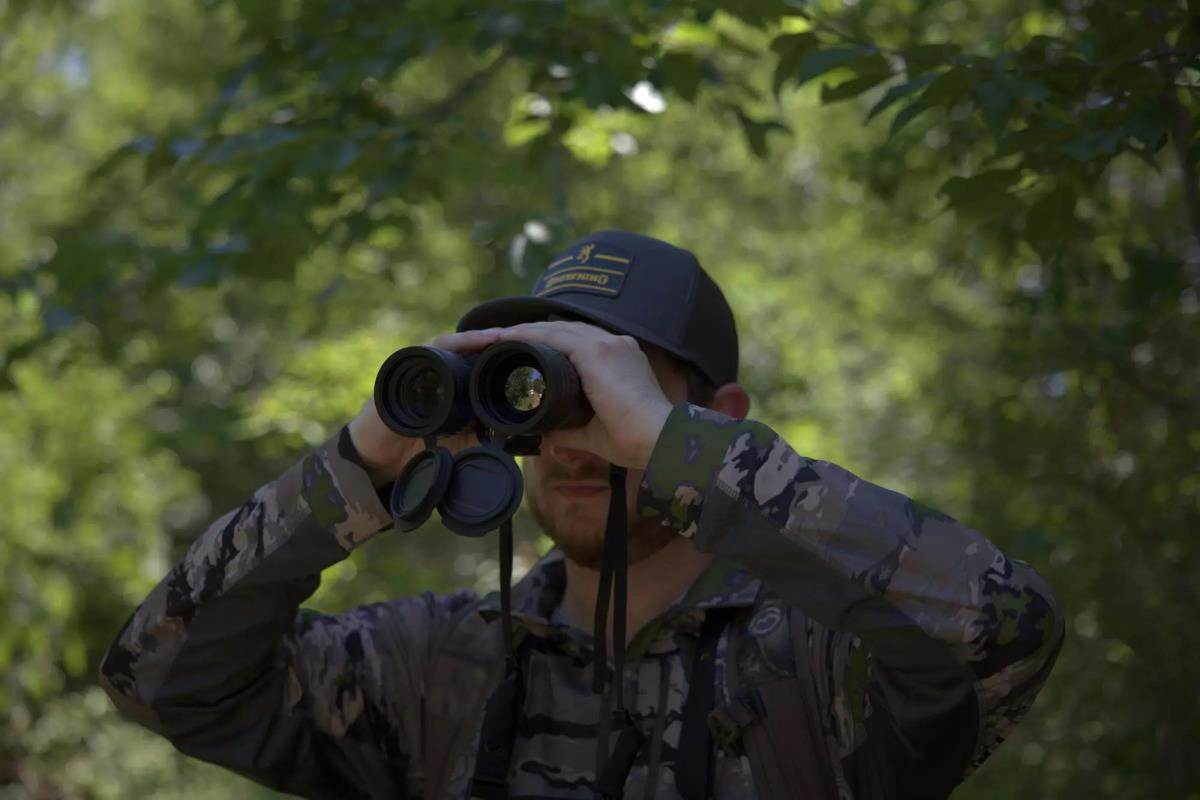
{"x":467,"y":341}
{"x":568,"y":326}
{"x":562,"y":336}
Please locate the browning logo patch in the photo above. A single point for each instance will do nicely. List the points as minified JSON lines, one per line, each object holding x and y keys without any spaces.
{"x":593,"y":269}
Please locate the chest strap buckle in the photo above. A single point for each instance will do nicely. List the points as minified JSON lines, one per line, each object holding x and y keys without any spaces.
{"x":728,"y":721}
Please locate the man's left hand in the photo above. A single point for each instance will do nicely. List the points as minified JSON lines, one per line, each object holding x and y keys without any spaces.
{"x":631,"y":408}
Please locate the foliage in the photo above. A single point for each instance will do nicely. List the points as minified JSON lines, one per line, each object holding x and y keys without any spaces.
{"x":961,"y":240}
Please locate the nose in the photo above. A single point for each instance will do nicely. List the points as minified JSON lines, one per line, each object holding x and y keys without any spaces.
{"x":574,"y":460}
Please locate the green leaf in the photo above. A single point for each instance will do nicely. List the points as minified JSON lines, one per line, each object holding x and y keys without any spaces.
{"x":851,"y":88}
{"x":1028,"y":140}
{"x":791,"y":49}
{"x":251,"y":146}
{"x":158,"y":160}
{"x":1094,"y":144}
{"x":900,"y":91}
{"x":142,"y":144}
{"x":756,"y":132}
{"x":733,"y":45}
{"x":1149,"y":126}
{"x":597,"y":85}
{"x":681,"y":72}
{"x":1133,"y":79}
{"x":1050,"y":221}
{"x":523,"y":131}
{"x":994,"y":100}
{"x":982,"y":195}
{"x":872,"y":70}
{"x":1042,"y":50}
{"x":907,"y":115}
{"x":924,"y":57}
{"x":1034,"y":91}
{"x":754,"y":12}
{"x":998,"y":97}
{"x":817,"y":64}
{"x":952,"y":86}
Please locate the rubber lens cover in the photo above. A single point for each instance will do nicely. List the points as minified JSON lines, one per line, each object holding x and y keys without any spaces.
{"x":485,"y":490}
{"x":420,"y":487}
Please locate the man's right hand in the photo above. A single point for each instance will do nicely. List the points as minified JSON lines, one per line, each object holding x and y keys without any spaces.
{"x":386,"y":452}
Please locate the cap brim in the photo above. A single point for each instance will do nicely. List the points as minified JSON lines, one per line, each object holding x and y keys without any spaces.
{"x":507,"y":311}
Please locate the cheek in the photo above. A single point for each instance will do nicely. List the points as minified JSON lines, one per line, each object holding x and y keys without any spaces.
{"x":672,"y":383}
{"x":676,"y":393}
{"x":531,"y":469}
{"x":534,"y":476}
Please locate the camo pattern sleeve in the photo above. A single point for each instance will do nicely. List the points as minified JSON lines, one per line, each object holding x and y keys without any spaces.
{"x":960,"y":637}
{"x":218,"y":660}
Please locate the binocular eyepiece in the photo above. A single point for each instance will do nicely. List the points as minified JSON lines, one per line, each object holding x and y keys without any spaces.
{"x":513,"y":388}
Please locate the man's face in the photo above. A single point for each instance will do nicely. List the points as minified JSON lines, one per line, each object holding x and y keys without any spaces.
{"x":567,"y":490}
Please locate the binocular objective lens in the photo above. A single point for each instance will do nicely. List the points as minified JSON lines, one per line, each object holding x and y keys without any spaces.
{"x":423,"y":392}
{"x":523,"y":388}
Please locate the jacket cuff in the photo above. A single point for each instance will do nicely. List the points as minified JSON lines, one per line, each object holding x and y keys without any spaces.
{"x":348,"y":451}
{"x":695,"y":446}
{"x":339,"y":492}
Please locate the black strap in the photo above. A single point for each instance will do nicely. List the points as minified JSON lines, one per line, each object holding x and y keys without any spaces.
{"x":620,"y":566}
{"x":499,"y":731}
{"x":503,"y":711}
{"x":693,"y":760}
{"x":613,"y":768}
{"x":496,"y":738}
{"x":610,"y":783}
{"x":506,"y":564}
{"x":613,"y":563}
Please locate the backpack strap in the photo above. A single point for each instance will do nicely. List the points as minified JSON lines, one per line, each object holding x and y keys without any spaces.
{"x":498,"y":733}
{"x":773,"y":716}
{"x":610,"y":782}
{"x":693,"y":774}
{"x":819,"y":760}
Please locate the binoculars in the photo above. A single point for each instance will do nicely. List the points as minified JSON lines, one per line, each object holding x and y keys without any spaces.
{"x":511,"y":388}
{"x":515,"y":391}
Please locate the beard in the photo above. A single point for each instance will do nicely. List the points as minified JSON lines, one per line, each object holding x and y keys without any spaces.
{"x":578,"y":527}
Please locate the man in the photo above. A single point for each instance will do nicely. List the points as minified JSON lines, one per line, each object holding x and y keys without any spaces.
{"x":794,"y":630}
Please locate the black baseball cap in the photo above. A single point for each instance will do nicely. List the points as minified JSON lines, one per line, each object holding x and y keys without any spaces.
{"x":634,"y":285}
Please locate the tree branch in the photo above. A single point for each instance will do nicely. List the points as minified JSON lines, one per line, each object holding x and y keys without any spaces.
{"x":848,"y":38}
{"x":444,"y":107}
{"x":1181,"y":134}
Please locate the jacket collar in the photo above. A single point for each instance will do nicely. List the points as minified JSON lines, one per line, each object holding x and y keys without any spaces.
{"x":536,"y":596}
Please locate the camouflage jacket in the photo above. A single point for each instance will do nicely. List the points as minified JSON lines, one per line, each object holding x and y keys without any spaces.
{"x":927,"y":643}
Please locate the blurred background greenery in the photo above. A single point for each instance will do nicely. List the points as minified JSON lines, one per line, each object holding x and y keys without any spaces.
{"x":960,"y":239}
